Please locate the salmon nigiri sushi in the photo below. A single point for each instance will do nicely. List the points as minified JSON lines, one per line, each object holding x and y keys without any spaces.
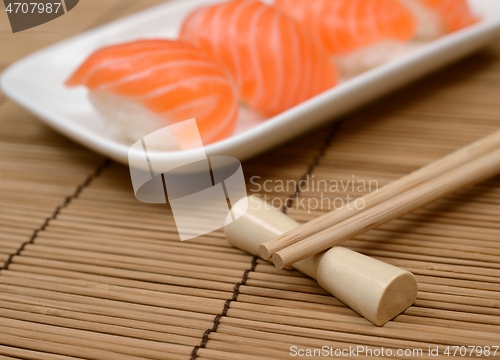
{"x":274,"y":62}
{"x":358,"y":34}
{"x":146,"y":85}
{"x":344,"y":26}
{"x":440,"y":17}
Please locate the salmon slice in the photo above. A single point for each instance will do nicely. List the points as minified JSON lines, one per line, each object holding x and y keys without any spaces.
{"x":455,"y":14}
{"x":149,"y":84}
{"x":274,"y":62}
{"x":344,"y":26}
{"x":439,"y":17}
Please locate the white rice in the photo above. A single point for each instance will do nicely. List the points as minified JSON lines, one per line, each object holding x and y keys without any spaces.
{"x":129,"y":121}
{"x":430,"y":25}
{"x":369,"y":57}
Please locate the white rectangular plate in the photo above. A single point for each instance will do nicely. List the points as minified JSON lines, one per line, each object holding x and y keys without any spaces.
{"x":36,"y":82}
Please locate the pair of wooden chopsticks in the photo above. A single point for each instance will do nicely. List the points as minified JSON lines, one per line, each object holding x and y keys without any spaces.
{"x":462,"y":168}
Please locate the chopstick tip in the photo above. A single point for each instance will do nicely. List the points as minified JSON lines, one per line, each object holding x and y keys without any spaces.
{"x":264,"y":252}
{"x":278,"y":261}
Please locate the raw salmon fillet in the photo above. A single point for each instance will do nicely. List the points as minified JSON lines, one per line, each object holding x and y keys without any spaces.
{"x":149,"y":84}
{"x":455,"y":14}
{"x":440,"y":17}
{"x":344,"y":26}
{"x":274,"y":62}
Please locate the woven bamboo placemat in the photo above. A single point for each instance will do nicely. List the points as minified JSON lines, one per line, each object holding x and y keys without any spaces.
{"x":89,"y":272}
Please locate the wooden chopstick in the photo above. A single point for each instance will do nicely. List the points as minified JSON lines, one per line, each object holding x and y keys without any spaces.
{"x":426,"y":173}
{"x":468,"y":174}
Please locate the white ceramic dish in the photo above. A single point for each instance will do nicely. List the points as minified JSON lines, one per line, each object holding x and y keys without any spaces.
{"x":36,"y":82}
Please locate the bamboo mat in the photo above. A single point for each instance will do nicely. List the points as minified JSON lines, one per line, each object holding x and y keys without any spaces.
{"x":89,"y":272}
